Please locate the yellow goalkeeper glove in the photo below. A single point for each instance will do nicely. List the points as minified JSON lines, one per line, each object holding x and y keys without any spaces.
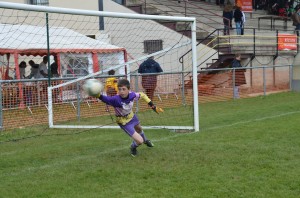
{"x":155,"y":108}
{"x":97,"y":96}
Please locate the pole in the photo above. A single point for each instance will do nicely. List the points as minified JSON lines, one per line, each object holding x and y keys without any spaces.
{"x":101,"y":18}
{"x":195,"y":77}
{"x":48,"y":50}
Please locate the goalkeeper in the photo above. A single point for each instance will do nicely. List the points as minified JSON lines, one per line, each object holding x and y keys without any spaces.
{"x":126,"y":119}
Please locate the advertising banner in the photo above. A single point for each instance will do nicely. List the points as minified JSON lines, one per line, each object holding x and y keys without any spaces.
{"x":287,"y":42}
{"x":245,"y":5}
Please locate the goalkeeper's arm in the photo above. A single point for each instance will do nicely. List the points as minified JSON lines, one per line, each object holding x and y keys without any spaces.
{"x":150,"y":103}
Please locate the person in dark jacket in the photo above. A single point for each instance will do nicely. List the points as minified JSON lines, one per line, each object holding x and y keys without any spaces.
{"x":238,"y":19}
{"x":227,"y":18}
{"x":149,"y":82}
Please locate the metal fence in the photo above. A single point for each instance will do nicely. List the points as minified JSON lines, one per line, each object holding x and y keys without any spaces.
{"x":25,"y":102}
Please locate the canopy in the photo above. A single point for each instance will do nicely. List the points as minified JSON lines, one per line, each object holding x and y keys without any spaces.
{"x":32,"y":40}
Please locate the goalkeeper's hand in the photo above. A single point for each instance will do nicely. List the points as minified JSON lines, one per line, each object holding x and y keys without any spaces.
{"x":155,"y":108}
{"x":97,"y":96}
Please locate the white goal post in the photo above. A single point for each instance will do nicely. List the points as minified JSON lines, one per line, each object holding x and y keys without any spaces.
{"x":128,"y":40}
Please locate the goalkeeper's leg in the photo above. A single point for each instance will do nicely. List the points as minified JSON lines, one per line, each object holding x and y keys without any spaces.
{"x":137,"y":140}
{"x":129,"y":128}
{"x":138,"y":128}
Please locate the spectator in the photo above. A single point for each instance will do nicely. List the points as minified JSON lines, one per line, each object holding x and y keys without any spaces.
{"x":238,"y":17}
{"x":43,"y":67}
{"x":149,"y":82}
{"x":243,"y":23}
{"x":111,"y":84}
{"x":227,"y":18}
{"x":290,"y":11}
{"x":222,"y":3}
{"x":238,"y":75}
{"x":54,"y":67}
{"x":296,"y":18}
{"x":34,"y":70}
{"x":22,"y":67}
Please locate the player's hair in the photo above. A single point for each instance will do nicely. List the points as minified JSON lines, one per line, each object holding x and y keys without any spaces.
{"x":111,"y":72}
{"x":124,"y":82}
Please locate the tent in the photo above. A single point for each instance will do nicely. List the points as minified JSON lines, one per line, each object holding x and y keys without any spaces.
{"x":27,"y":40}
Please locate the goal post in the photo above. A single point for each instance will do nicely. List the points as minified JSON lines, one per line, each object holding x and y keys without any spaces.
{"x":81,"y":51}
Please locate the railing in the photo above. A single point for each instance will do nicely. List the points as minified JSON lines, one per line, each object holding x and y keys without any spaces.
{"x":209,"y":15}
{"x":255,"y":43}
{"x":220,"y":86}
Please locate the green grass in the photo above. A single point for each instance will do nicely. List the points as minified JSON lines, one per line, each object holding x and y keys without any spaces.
{"x":247,"y":148}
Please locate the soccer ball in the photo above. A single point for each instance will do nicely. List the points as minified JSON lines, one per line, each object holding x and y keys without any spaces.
{"x":93,"y":87}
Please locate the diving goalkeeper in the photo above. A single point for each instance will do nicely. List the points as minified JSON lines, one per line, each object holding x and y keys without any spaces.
{"x":126,"y":119}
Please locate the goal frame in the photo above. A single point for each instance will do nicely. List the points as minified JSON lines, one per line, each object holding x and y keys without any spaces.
{"x":191,"y":20}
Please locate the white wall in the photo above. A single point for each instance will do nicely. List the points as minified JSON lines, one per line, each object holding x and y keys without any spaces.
{"x":90,"y":26}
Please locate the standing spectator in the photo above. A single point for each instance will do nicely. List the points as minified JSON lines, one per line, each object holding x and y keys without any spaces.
{"x":31,"y":89}
{"x":22,"y":67}
{"x":149,"y":82}
{"x":227,"y":18}
{"x":296,"y":18}
{"x":243,"y":23}
{"x":54,"y":67}
{"x":111,"y":84}
{"x":34,"y":73}
{"x":44,"y":74}
{"x":290,"y":11}
{"x":54,"y":73}
{"x":238,"y":75}
{"x":222,"y":3}
{"x":43,"y":67}
{"x":238,"y":17}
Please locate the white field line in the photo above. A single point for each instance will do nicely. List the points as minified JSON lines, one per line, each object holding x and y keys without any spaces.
{"x":253,"y":120}
{"x":96,"y":155}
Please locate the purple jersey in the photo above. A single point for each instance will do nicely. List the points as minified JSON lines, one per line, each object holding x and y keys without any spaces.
{"x":123,"y":106}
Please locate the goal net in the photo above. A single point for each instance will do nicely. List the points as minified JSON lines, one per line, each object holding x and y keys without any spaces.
{"x":81,"y":44}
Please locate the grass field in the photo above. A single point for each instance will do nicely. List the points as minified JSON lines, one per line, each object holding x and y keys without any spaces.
{"x":246,"y":148}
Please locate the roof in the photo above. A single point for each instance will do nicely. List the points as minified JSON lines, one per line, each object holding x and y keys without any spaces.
{"x":32,"y":40}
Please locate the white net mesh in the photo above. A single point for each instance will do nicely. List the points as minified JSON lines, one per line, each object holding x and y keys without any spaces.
{"x":81,"y":47}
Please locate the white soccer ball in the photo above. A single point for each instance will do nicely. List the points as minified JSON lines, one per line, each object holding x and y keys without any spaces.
{"x":93,"y":87}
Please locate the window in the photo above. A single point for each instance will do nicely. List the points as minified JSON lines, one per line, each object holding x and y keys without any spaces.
{"x":151,"y":46}
{"x":39,"y":2}
{"x":121,"y":2}
{"x":76,"y":65}
{"x":91,"y":36}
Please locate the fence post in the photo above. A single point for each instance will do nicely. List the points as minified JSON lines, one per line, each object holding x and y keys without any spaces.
{"x":78,"y":101}
{"x":233,"y":82}
{"x":291,"y":76}
{"x":254,"y":50}
{"x":48,"y":50}
{"x":182,"y":87}
{"x":264,"y":80}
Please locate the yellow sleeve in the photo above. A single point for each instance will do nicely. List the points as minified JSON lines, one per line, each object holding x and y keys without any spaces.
{"x":144,"y":97}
